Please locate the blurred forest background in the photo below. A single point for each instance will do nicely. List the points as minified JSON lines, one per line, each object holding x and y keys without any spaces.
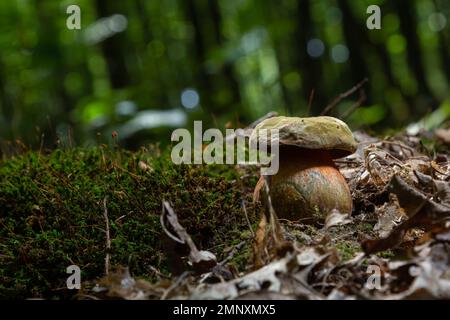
{"x":143,"y":68}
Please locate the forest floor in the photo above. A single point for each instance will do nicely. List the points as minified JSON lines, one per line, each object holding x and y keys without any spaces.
{"x":140,"y":227}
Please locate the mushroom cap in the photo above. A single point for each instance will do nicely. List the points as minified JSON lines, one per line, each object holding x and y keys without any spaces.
{"x":323,"y":132}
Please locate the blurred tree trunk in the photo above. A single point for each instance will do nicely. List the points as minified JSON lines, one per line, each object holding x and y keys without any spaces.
{"x":444,"y":41}
{"x":386,"y":64}
{"x":6,"y":106}
{"x":355,"y":41}
{"x":272,"y":14}
{"x":50,"y":54}
{"x":227,"y":68}
{"x":444,"y":55}
{"x":309,"y":68}
{"x":385,"y":61}
{"x":203,"y":78}
{"x":408,"y":27}
{"x":147,"y":37}
{"x":112,"y":49}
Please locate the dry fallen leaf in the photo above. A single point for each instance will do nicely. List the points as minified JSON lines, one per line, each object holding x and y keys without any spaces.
{"x":419,"y":208}
{"x":201,"y":261}
{"x":335,"y":218}
{"x":443,"y":134}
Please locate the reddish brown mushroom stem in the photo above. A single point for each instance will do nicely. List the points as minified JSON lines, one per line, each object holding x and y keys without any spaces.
{"x":308,"y":184}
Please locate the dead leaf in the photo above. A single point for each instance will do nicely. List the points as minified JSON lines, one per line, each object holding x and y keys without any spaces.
{"x":428,"y":274}
{"x":443,"y":134}
{"x":260,"y":253}
{"x":421,"y":212}
{"x":284,"y":276}
{"x":257,"y":189}
{"x":335,"y":218}
{"x":201,"y":261}
{"x":120,"y":284}
{"x":389,"y":215}
{"x":144,"y":166}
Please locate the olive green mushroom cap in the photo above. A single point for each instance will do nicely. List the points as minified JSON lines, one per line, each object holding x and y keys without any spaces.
{"x":325,"y":133}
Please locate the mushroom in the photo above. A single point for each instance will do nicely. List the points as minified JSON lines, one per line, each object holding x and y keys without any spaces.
{"x":308,"y":185}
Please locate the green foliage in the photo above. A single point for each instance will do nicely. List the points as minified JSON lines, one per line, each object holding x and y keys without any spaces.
{"x":51,"y":214}
{"x":243,"y":59}
{"x":347,"y":249}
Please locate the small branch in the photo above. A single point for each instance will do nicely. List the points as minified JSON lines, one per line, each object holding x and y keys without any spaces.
{"x":168,"y":233}
{"x":267,"y":116}
{"x":353,"y":107}
{"x":311,"y":97}
{"x":342,"y":96}
{"x":184,"y":237}
{"x":233,"y":252}
{"x":108,"y":239}
{"x":174,"y":285}
{"x":247,"y":130}
{"x":246,"y":218}
{"x":201,"y":260}
{"x":277,"y":231}
{"x":157,"y":272}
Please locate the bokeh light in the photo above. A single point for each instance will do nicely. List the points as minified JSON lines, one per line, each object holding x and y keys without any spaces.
{"x":437,"y":21}
{"x":315,"y":48}
{"x":190,"y":98}
{"x":340,"y":53}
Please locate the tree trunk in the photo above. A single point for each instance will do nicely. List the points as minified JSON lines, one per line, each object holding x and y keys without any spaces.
{"x":112,"y":50}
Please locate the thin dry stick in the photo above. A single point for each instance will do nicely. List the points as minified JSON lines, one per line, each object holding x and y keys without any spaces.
{"x":267,"y":116}
{"x":108,"y":239}
{"x":342,"y":96}
{"x":246,"y":218}
{"x":353,"y":107}
{"x":69,"y":136}
{"x":400,"y":145}
{"x":311,"y":97}
{"x":233,"y":252}
{"x":174,"y":285}
{"x":277,"y":231}
{"x":237,"y":132}
{"x":41,"y":146}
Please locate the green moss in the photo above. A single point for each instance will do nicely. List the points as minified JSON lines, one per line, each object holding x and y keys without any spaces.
{"x":51,"y":214}
{"x":347,"y":250}
{"x":388,"y":254}
{"x":366,"y":227}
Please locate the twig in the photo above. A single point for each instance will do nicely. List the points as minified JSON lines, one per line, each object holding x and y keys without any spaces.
{"x":41,"y":146}
{"x":311,"y":97}
{"x":184,"y":237}
{"x":277,"y":230}
{"x":108,"y":239}
{"x":157,"y":272}
{"x":175,"y":284}
{"x":400,"y":145}
{"x":356,"y":105}
{"x":82,"y":295}
{"x":233,"y":252}
{"x":169,"y":234}
{"x":267,"y":116}
{"x":246,"y":218}
{"x":243,"y":132}
{"x":200,"y":260}
{"x":342,"y":96}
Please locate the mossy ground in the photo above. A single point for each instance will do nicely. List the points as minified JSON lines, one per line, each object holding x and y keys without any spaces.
{"x":51,"y":214}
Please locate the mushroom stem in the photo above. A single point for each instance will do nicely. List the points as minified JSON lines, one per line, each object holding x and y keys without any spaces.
{"x":308,"y":185}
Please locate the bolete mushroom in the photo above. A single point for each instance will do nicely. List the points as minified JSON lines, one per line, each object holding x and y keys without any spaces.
{"x":308,"y":185}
